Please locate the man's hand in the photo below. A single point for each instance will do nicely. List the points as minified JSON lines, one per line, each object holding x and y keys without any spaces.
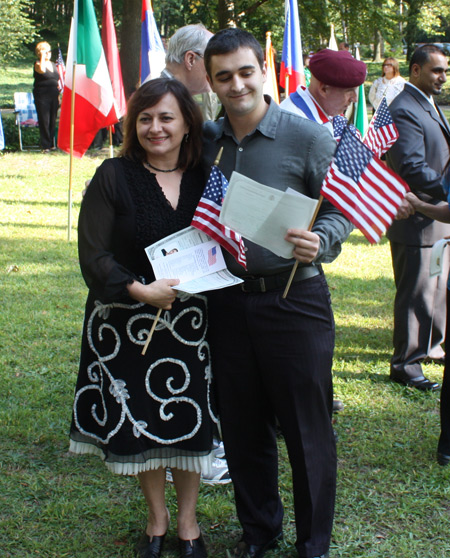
{"x":306,"y":244}
{"x":407,"y":208}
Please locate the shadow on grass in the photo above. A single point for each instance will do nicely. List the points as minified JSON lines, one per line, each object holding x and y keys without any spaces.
{"x":357,"y":239}
{"x":75,"y":204}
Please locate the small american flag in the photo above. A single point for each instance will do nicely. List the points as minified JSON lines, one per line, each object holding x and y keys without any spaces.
{"x":212,"y":255}
{"x":363,"y":188}
{"x":206,"y":216}
{"x":61,"y":67}
{"x":339,"y":123}
{"x":382,"y":132}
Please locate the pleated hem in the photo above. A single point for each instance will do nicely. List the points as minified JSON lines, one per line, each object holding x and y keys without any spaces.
{"x":192,"y":463}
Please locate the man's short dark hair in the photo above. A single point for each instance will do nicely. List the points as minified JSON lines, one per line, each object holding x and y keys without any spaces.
{"x":422,"y":55}
{"x":230,"y":40}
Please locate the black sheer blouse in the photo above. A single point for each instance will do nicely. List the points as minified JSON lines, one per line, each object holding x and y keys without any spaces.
{"x":124,"y":210}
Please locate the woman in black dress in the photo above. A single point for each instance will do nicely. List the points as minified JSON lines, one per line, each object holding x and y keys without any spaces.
{"x":46,"y":94}
{"x":142,"y":414}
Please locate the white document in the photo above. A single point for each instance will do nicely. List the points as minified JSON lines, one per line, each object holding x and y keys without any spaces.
{"x":263,"y":214}
{"x":437,"y":255}
{"x":192,"y":257}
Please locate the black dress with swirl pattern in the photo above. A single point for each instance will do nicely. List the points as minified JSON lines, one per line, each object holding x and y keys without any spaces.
{"x":139,"y":412}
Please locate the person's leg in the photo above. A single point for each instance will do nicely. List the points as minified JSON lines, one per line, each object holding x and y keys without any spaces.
{"x":419,"y":310}
{"x":43,"y":112}
{"x":247,"y":420}
{"x":153,"y":487}
{"x":295,"y":358}
{"x":53,"y":112}
{"x":186,"y":486}
{"x":444,"y":439}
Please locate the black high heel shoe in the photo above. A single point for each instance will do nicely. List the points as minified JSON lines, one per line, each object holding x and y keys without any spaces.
{"x":193,"y":549}
{"x":150,"y":547}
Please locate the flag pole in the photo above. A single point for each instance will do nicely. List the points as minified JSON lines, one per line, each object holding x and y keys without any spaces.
{"x":150,"y":335}
{"x":72,"y":133}
{"x":111,"y":148}
{"x":294,"y":269}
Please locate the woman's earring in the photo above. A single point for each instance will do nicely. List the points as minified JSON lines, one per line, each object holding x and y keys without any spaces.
{"x":186,"y":137}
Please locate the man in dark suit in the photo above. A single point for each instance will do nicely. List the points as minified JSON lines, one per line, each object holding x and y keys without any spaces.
{"x":419,"y":156}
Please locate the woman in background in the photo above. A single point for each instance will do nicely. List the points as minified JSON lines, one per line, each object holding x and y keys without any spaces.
{"x":46,"y":94}
{"x":389,"y":85}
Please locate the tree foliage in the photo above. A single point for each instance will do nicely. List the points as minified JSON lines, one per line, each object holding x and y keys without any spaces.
{"x":376,"y":24}
{"x":16,"y":28}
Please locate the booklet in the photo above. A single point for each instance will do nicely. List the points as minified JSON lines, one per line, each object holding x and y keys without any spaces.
{"x":263,"y":214}
{"x":192,"y":257}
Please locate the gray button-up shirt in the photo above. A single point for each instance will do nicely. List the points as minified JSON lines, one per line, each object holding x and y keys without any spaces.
{"x":284,"y":151}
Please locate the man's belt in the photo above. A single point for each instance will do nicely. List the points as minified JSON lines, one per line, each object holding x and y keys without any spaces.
{"x":262,"y":284}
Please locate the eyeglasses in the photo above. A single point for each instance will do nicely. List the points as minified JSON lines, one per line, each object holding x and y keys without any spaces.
{"x":385,"y":65}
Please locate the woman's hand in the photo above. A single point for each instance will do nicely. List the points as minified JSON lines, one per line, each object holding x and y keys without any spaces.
{"x":306,"y":244}
{"x":159,"y":293}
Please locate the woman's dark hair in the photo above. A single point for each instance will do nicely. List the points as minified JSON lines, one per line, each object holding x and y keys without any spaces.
{"x":230,"y":40}
{"x":147,"y":96}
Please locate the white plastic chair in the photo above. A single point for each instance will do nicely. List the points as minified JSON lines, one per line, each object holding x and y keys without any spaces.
{"x":26,"y":115}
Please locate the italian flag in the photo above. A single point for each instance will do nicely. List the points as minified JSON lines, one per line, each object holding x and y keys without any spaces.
{"x":94,"y":106}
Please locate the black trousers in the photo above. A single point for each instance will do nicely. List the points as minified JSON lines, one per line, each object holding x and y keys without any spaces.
{"x":47,"y":109}
{"x":444,"y":440}
{"x":419,"y":310}
{"x":272,"y":359}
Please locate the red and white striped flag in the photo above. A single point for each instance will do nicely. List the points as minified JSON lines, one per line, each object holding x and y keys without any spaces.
{"x":363,"y":188}
{"x":60,"y":66}
{"x":382,"y":132}
{"x":206,"y":216}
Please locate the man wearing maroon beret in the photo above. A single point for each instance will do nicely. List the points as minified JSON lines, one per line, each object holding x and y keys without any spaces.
{"x":335,"y":77}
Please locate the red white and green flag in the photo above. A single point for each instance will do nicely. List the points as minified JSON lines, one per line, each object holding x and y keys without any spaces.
{"x":94,"y":99}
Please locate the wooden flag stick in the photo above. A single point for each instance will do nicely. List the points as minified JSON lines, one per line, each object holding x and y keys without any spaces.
{"x":219,"y":155}
{"x":71,"y":141}
{"x":150,"y":335}
{"x":111,"y":148}
{"x":294,"y":269}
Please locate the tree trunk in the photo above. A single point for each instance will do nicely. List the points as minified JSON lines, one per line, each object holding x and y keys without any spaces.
{"x":130,"y":44}
{"x":412,"y":26}
{"x":225,"y":14}
{"x":378,"y":49}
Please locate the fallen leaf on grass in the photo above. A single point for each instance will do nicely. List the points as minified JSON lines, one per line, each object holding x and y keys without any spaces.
{"x":14,"y":268}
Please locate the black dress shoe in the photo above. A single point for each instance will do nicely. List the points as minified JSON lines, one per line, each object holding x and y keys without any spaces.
{"x":193,"y":549}
{"x":443,"y":459}
{"x":337,"y":406}
{"x":244,"y":550}
{"x":149,"y":547}
{"x":422,"y":383}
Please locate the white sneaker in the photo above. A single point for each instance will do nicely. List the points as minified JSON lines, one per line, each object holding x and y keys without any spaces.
{"x":218,"y":448}
{"x":219,"y":473}
{"x":219,"y":467}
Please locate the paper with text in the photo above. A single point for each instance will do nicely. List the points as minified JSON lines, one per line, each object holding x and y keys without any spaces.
{"x":263,"y":214}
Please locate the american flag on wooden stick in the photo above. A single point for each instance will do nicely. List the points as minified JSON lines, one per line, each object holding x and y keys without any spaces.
{"x":361,"y":186}
{"x":339,"y":123}
{"x":382,"y":132}
{"x":61,"y":67}
{"x":206,"y":216}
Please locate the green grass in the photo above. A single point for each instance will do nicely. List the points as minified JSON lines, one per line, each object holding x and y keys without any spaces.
{"x":16,"y":78}
{"x":393,"y":500}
